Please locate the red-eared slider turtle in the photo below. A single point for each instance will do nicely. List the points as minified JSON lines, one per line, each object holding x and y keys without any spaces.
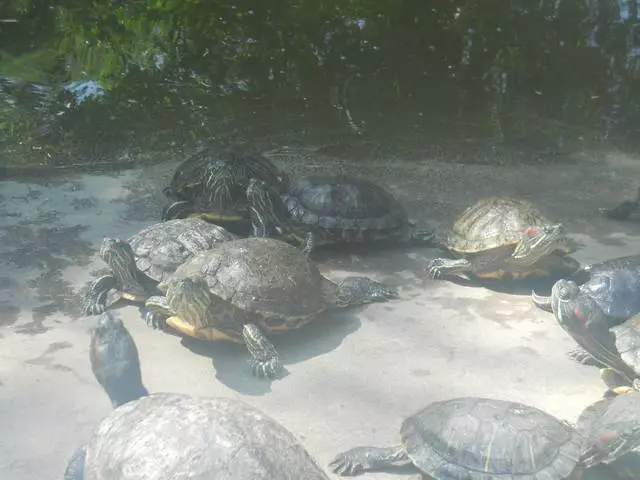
{"x":213,"y":185}
{"x":502,"y":236}
{"x":148,"y":257}
{"x":615,"y":287}
{"x":624,"y":210}
{"x":612,"y":429}
{"x":240,"y":289}
{"x":618,"y":348}
{"x":475,"y":438}
{"x":167,"y":436}
{"x":324,"y":209}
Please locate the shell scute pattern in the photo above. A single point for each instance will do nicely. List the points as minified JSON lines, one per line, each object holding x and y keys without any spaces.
{"x":455,"y":439}
{"x":492,"y":223}
{"x":628,"y":342}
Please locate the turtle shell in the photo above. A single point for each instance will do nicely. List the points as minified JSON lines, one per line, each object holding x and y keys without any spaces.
{"x":169,"y":436}
{"x":160,"y":248}
{"x":493,"y":222}
{"x":475,"y":438}
{"x":628,"y":342}
{"x":264,"y":276}
{"x":340,"y":205}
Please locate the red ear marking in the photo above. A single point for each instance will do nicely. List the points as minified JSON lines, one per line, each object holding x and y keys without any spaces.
{"x":532,"y":231}
{"x":607,"y":437}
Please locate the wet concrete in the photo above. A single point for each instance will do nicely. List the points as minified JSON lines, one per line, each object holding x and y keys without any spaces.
{"x":350,"y":377}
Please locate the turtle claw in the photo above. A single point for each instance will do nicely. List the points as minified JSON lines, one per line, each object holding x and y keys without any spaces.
{"x":581,"y":356}
{"x":154,"y":320}
{"x":435,"y":268}
{"x":265,"y":369}
{"x":347,"y":464}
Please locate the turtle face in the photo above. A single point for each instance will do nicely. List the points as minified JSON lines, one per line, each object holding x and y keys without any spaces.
{"x":119,"y":256}
{"x":266,"y":202}
{"x":190,"y":299}
{"x":536,"y":242}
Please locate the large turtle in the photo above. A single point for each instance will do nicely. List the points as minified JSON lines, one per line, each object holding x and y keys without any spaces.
{"x":474,"y":438}
{"x":503,"y":236}
{"x":167,"y":436}
{"x":618,"y":348}
{"x":624,"y":210}
{"x":138,"y":264}
{"x":213,"y":186}
{"x":615,"y":287}
{"x":239,"y":290}
{"x":329,"y":209}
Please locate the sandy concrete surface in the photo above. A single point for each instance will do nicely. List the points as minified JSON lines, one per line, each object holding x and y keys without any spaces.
{"x":351,"y":377}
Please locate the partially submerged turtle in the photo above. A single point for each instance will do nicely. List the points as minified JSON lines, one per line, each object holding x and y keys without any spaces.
{"x":618,"y":348}
{"x":502,"y":236}
{"x":148,"y":257}
{"x":240,"y":290}
{"x":474,"y":438}
{"x":615,"y":287}
{"x":624,"y":210}
{"x":213,"y":186}
{"x":329,"y":209}
{"x":167,"y":436}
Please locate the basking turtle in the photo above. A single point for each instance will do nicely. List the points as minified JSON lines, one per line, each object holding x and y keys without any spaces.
{"x":618,"y":348}
{"x":612,"y":429}
{"x":502,"y":236}
{"x":624,"y":210}
{"x":324,"y":209}
{"x":240,"y":289}
{"x":614,"y":285}
{"x":166,"y":436}
{"x":213,"y":186}
{"x":475,"y":438}
{"x":138,"y":264}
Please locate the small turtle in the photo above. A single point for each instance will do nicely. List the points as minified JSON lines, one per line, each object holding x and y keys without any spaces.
{"x":166,"y":436}
{"x":214,"y":187}
{"x":474,"y":438}
{"x":614,"y":285}
{"x":502,"y":236}
{"x":618,"y":348}
{"x":612,"y":429}
{"x":329,"y":209}
{"x":624,"y":210}
{"x":138,"y":264}
{"x":240,"y":289}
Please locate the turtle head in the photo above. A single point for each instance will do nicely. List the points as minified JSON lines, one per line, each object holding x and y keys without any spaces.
{"x":119,"y":256}
{"x":265,"y":201}
{"x":536,"y":242}
{"x":190,"y":298}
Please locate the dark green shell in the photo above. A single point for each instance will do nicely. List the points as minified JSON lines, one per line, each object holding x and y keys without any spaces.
{"x":628,"y":342}
{"x":478,"y":438}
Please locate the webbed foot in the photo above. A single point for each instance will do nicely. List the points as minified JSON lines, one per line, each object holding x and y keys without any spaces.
{"x":154,"y":320}
{"x":157,"y":312}
{"x":265,"y":362}
{"x":583,"y":357}
{"x":362,"y":290}
{"x":362,"y":459}
{"x":439,"y":267}
{"x":96,"y":297}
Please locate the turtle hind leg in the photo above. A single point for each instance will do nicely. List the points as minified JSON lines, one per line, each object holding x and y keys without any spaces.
{"x":363,"y":459}
{"x":75,"y":465}
{"x":362,"y":290}
{"x":265,"y":362}
{"x":439,"y":267}
{"x":96,"y":297}
{"x":176,"y":210}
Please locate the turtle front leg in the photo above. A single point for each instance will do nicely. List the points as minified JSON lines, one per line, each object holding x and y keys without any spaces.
{"x":158,"y":311}
{"x":362,"y":290}
{"x":265,"y":362}
{"x":96,"y":297}
{"x":439,"y":267}
{"x":543,"y":303}
{"x":583,"y":357}
{"x":363,"y":459}
{"x":180,"y":209}
{"x":308,"y":244}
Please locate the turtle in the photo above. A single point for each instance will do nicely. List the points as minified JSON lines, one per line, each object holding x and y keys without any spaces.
{"x":500,"y":237}
{"x":614,"y":285}
{"x":623,"y":210}
{"x":240,"y":290}
{"x":168,"y":436}
{"x":475,"y":438}
{"x":139,"y":263}
{"x":612,"y":429}
{"x":617,"y":348}
{"x":330,"y":209}
{"x":213,"y":186}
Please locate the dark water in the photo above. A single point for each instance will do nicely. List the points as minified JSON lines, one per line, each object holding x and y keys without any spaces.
{"x":117,"y":78}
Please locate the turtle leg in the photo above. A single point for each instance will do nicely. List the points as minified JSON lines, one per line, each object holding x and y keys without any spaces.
{"x":362,"y":290}
{"x":543,"y":303}
{"x":617,"y":383}
{"x":439,"y":267}
{"x":158,"y":311}
{"x":96,"y":297}
{"x":308,"y":244}
{"x":265,"y":361}
{"x":363,"y":459}
{"x":180,"y":209}
{"x":75,"y":465}
{"x":624,"y":210}
{"x":583,"y":357}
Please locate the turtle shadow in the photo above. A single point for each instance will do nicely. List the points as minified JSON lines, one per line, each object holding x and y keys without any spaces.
{"x":231,"y":361}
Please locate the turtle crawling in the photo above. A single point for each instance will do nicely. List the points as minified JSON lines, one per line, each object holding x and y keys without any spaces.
{"x":618,"y":348}
{"x":474,"y":438}
{"x":503,"y":236}
{"x":148,"y":257}
{"x":167,"y":436}
{"x":239,"y":290}
{"x":330,"y":209}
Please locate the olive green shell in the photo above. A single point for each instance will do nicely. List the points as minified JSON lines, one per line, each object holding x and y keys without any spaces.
{"x":475,"y":438}
{"x":160,"y":248}
{"x":628,"y":342}
{"x":264,"y":276}
{"x":493,"y":222}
